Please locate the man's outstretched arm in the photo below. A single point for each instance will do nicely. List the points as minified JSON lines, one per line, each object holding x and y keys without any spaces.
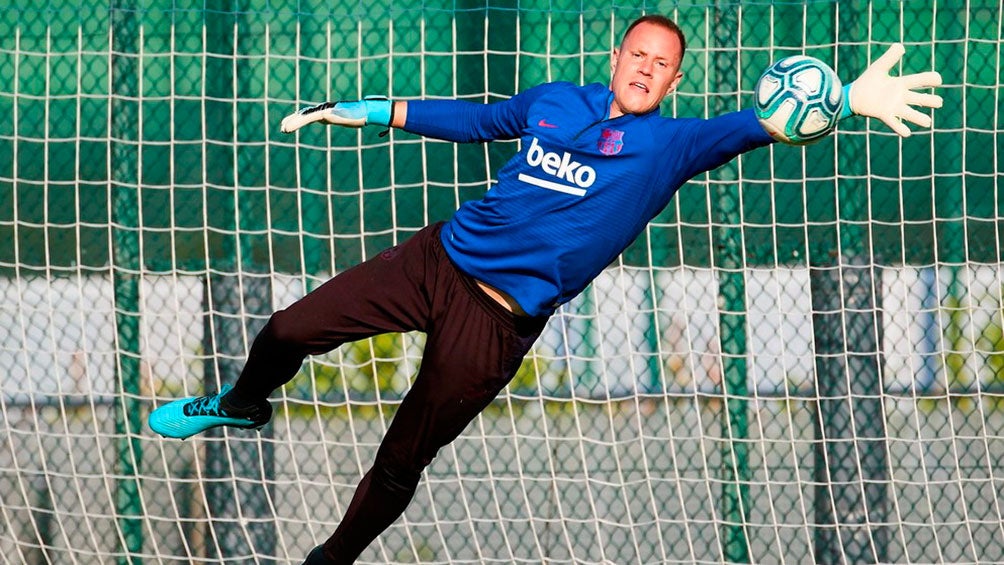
{"x":452,"y":120}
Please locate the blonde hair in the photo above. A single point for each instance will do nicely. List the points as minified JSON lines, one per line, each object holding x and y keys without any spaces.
{"x":661,"y":21}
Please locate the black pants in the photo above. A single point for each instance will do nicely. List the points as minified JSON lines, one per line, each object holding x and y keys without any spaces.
{"x":473,"y":349}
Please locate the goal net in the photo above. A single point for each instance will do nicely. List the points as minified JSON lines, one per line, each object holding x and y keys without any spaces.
{"x":800,"y":360}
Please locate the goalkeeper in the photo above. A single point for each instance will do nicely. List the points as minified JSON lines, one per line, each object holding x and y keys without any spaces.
{"x":596,"y":164}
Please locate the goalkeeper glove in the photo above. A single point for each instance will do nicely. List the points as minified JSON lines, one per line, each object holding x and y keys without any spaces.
{"x":353,"y":114}
{"x":875,"y":94}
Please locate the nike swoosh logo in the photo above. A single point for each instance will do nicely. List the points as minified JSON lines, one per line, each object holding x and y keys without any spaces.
{"x":544,"y":124}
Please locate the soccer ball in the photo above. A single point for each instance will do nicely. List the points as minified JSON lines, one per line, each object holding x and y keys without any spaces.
{"x":798,"y":100}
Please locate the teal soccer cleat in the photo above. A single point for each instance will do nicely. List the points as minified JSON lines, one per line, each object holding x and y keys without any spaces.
{"x":186,"y":417}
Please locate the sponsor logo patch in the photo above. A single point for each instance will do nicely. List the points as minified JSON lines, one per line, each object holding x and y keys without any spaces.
{"x":574,"y":176}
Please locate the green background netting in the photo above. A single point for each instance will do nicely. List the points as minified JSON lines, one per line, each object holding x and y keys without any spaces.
{"x":152,"y":101}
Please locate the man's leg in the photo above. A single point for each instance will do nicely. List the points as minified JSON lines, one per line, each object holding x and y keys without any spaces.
{"x":385,"y":294}
{"x":469,"y":358}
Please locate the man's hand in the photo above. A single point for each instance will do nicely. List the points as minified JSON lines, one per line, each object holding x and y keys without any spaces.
{"x":891,"y":99}
{"x":354,"y":114}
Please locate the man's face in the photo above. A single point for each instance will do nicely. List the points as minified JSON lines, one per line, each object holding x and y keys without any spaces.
{"x":645,"y":69}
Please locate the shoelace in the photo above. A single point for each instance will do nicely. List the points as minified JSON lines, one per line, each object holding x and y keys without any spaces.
{"x":208,"y":405}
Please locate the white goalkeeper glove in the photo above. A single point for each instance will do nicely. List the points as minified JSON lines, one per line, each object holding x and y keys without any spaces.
{"x":353,"y":114}
{"x":875,"y":94}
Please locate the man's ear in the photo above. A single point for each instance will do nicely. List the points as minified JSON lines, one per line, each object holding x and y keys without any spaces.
{"x":676,"y":82}
{"x":613,"y":60}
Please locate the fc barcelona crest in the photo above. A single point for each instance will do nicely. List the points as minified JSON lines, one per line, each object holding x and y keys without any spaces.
{"x":611,"y":141}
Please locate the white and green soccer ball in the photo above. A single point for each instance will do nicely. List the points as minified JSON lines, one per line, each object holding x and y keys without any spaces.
{"x":798,"y":100}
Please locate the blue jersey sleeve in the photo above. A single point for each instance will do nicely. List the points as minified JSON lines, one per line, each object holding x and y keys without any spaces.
{"x":462,"y":121}
{"x":718,"y":140}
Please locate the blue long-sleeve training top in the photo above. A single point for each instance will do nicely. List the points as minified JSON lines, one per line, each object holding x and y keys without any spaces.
{"x":581,"y":188}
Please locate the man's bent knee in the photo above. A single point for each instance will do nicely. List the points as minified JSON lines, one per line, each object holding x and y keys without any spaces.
{"x":286,"y":330}
{"x":396,"y":478}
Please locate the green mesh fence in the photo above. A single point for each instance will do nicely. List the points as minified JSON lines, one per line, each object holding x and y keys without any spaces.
{"x":801,"y":359}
